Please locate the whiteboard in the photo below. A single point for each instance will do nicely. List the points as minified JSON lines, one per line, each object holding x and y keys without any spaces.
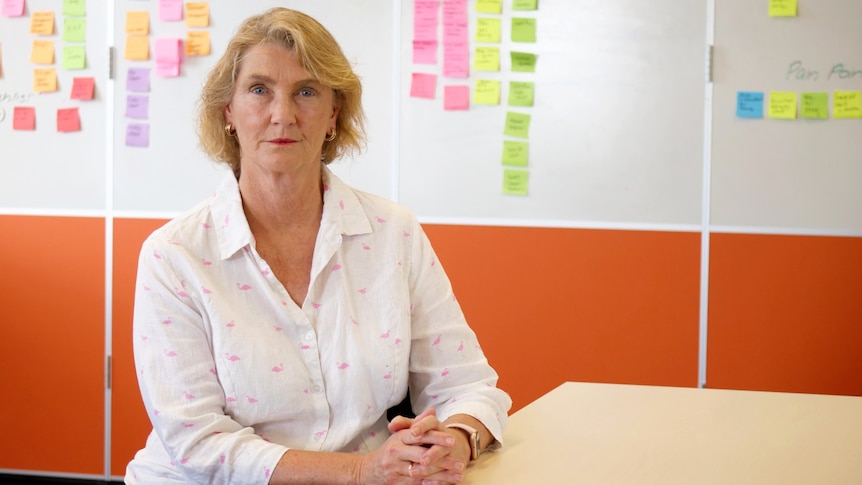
{"x":617,"y":129}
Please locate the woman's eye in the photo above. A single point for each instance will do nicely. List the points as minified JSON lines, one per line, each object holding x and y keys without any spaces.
{"x":258,"y":90}
{"x":306,"y":92}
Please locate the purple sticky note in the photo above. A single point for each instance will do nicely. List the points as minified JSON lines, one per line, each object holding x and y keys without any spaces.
{"x":168,"y":57}
{"x":12,"y":8}
{"x":137,"y":106}
{"x":423,"y":86}
{"x":138,"y":135}
{"x":170,"y":10}
{"x":138,"y":79}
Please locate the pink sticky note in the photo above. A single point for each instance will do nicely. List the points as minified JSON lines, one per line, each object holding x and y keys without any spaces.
{"x":12,"y":8}
{"x":456,"y":60}
{"x":425,"y":20}
{"x":168,"y":57}
{"x":83,"y":88}
{"x":456,"y":98}
{"x":68,"y":120}
{"x":170,"y":10}
{"x":138,"y":135}
{"x":423,"y":86}
{"x":424,"y":52}
{"x":24,"y":118}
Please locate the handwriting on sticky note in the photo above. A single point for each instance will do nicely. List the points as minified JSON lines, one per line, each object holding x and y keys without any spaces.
{"x":749,"y":104}
{"x":486,"y":91}
{"x":24,"y":118}
{"x":75,"y":8}
{"x":847,"y":105}
{"x":515,"y":182}
{"x":523,"y":62}
{"x":42,"y":52}
{"x":83,"y":88}
{"x":456,"y":59}
{"x":170,"y":10}
{"x":814,"y":106}
{"x":486,"y":59}
{"x":782,"y":105}
{"x":137,"y":106}
{"x":197,"y":14}
{"x":425,"y":20}
{"x":42,"y":22}
{"x":198,"y":43}
{"x":525,"y":4}
{"x":74,"y":29}
{"x":515,"y":153}
{"x":782,"y":8}
{"x":521,"y":93}
{"x":424,"y":52}
{"x":517,"y":125}
{"x":168,"y":57}
{"x":138,"y":23}
{"x":138,"y":135}
{"x":138,"y":79}
{"x":523,"y":29}
{"x":45,"y":80}
{"x":74,"y":57}
{"x":488,"y":30}
{"x":489,"y":6}
{"x":68,"y":120}
{"x":12,"y":8}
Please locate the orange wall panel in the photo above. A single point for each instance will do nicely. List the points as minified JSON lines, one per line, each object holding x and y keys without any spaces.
{"x":785,"y":313}
{"x":553,"y":305}
{"x":52,"y":344}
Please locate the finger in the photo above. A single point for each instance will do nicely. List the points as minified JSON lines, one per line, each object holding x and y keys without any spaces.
{"x":436,"y":475}
{"x":425,"y":424}
{"x":398,"y":423}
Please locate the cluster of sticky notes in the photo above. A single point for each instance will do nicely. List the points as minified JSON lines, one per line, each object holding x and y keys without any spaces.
{"x":137,"y":106}
{"x":790,"y":105}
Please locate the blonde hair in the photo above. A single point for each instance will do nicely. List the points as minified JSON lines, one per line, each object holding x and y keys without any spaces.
{"x":318,"y":53}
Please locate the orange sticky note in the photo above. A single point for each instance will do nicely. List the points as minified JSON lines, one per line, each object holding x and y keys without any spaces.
{"x":137,"y":23}
{"x":24,"y":118}
{"x":197,"y":14}
{"x":68,"y":120}
{"x":42,"y":22}
{"x":45,"y":80}
{"x":83,"y":88}
{"x":198,"y":43}
{"x":42,"y":52}
{"x":137,"y":48}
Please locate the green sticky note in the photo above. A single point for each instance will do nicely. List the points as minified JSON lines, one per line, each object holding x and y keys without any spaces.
{"x":523,"y":30}
{"x":782,"y":8}
{"x":815,"y":105}
{"x":74,"y":57}
{"x":782,"y":105}
{"x":489,"y":6}
{"x":486,"y":92}
{"x":525,"y":4}
{"x":75,"y":8}
{"x":847,"y":105}
{"x":523,"y":62}
{"x":515,"y":153}
{"x":486,"y":59}
{"x":517,"y":125}
{"x":488,"y":30}
{"x":515,"y":182}
{"x":521,"y":93}
{"x":74,"y":29}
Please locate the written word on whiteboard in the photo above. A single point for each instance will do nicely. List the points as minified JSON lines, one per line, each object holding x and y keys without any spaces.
{"x":798,"y":71}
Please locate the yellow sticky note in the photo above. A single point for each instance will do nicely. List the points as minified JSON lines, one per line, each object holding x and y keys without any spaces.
{"x":515,"y":182}
{"x":488,"y":30}
{"x":137,"y":48}
{"x":197,"y":14}
{"x":74,"y":57}
{"x":847,"y":105}
{"x":814,"y":105}
{"x":515,"y":153}
{"x":521,"y":93}
{"x":782,"y":105}
{"x":45,"y":80}
{"x":42,"y":52}
{"x":74,"y":29}
{"x":782,"y":8}
{"x":198,"y":43}
{"x":517,"y":125}
{"x":75,"y":8}
{"x":489,"y":6}
{"x":486,"y":92}
{"x":486,"y":59}
{"x":137,"y":23}
{"x":42,"y":22}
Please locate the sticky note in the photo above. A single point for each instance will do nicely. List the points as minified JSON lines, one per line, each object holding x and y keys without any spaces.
{"x":515,"y":153}
{"x":521,"y":93}
{"x":12,"y":8}
{"x":198,"y":43}
{"x":517,"y":125}
{"x":83,"y":88}
{"x":749,"y":104}
{"x":74,"y":57}
{"x":515,"y":182}
{"x":68,"y":120}
{"x":24,"y":118}
{"x":523,"y":62}
{"x":455,"y":32}
{"x":456,"y":98}
{"x":525,"y":4}
{"x":75,"y":8}
{"x":44,"y":80}
{"x":74,"y":29}
{"x":815,"y":105}
{"x":425,"y":20}
{"x":782,"y":8}
{"x":197,"y":14}
{"x":486,"y":59}
{"x":489,"y":6}
{"x":42,"y":22}
{"x":846,"y":105}
{"x":137,"y":48}
{"x":138,"y":79}
{"x":423,"y":85}
{"x":488,"y":30}
{"x":138,"y":135}
{"x":138,"y":23}
{"x":486,"y":91}
{"x":167,"y":57}
{"x":425,"y":52}
{"x":42,"y":52}
{"x":523,"y":30}
{"x":456,"y":60}
{"x":170,"y":10}
{"x":782,"y":105}
{"x":137,"y":106}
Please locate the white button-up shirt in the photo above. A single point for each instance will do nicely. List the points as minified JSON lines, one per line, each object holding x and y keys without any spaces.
{"x":233,"y":373}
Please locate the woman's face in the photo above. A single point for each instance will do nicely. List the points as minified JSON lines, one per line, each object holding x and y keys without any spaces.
{"x":280,"y":112}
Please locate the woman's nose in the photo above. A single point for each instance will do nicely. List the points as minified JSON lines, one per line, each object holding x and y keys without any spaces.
{"x":283,"y":110}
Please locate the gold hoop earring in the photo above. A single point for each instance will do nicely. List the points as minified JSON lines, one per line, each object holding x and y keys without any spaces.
{"x":330,"y":136}
{"x":229,"y":129}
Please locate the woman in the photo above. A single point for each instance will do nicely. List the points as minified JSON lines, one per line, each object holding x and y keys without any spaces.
{"x":278,"y":321}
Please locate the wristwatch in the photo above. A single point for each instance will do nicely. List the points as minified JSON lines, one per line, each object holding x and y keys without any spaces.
{"x":472,"y":437}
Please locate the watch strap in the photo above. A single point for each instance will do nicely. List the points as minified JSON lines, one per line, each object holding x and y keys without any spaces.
{"x":472,"y":438}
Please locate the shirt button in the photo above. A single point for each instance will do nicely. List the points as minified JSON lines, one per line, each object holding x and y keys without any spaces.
{"x":309,"y":336}
{"x":315,"y":388}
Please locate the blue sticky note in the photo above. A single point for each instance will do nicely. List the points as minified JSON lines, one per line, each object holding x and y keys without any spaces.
{"x":749,"y":104}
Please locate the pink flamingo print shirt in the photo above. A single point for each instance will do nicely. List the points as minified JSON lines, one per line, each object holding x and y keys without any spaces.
{"x":233,"y":373}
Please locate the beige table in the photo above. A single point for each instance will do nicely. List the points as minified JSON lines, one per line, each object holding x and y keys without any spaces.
{"x":582,"y":433}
